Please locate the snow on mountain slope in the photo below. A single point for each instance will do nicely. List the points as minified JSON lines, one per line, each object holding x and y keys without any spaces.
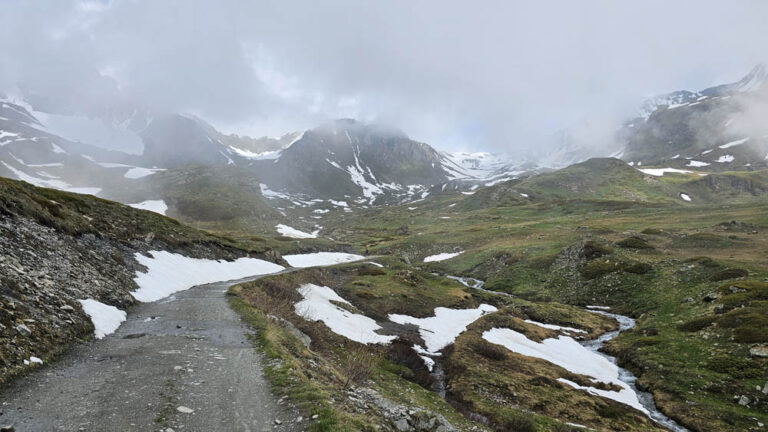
{"x":347,"y":160}
{"x":720,"y":128}
{"x":753,"y":81}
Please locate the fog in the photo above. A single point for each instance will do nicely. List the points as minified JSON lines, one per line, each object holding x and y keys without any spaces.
{"x":501,"y":76}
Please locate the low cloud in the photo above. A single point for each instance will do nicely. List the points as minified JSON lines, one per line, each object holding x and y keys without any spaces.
{"x":499,"y":75}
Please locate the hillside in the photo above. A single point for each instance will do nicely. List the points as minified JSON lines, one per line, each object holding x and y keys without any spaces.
{"x":60,"y":247}
{"x":690,"y":272}
{"x":615,"y":183}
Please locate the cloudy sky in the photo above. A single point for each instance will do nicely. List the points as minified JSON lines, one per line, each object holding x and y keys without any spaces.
{"x":496,"y":75}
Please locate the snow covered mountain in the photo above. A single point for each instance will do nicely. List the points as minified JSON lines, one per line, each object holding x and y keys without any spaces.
{"x":30,"y":152}
{"x":345,"y":159}
{"x":751,"y":82}
{"x":719,"y":128}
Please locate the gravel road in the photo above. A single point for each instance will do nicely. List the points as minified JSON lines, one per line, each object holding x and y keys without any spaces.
{"x":189,"y":350}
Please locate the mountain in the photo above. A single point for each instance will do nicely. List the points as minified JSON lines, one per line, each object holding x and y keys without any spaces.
{"x":615,"y":183}
{"x":346,"y":159}
{"x":176,"y":140}
{"x":30,"y":152}
{"x":719,"y":128}
{"x":751,"y":82}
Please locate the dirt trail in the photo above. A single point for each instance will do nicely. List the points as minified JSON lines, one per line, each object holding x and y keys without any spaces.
{"x":189,"y":350}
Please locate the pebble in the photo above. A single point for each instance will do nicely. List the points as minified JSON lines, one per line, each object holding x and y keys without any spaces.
{"x":185,"y":410}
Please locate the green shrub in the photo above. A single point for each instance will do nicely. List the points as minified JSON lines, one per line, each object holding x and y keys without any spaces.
{"x":371,"y":270}
{"x":541,"y":262}
{"x":519,"y":421}
{"x":638,"y":268}
{"x":750,"y":334}
{"x":735,"y":366}
{"x":652,"y":231}
{"x":596,"y":269}
{"x":703,"y":260}
{"x":611,"y":411}
{"x":732,"y":273}
{"x":634,"y":243}
{"x":755,"y":289}
{"x":696,"y":324}
{"x":489,"y":350}
{"x":593,"y":249}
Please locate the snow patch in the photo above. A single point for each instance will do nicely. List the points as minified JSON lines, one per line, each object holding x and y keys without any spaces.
{"x":105,"y":318}
{"x":571,"y":356}
{"x":157,"y":206}
{"x":320,"y":259}
{"x":685,"y":197}
{"x":168,"y":273}
{"x":442,"y":329}
{"x":294,"y":233}
{"x":53,"y":183}
{"x":725,"y":159}
{"x":734,"y":143}
{"x":442,"y":256}
{"x":555,"y":327}
{"x":658,"y":172}
{"x":317,"y":306}
{"x":138,"y":172}
{"x":695,"y":163}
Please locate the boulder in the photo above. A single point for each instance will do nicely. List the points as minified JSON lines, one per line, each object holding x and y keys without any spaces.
{"x":759,"y":351}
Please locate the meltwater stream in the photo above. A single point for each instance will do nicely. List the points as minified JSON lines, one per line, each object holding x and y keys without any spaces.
{"x":625,"y":323}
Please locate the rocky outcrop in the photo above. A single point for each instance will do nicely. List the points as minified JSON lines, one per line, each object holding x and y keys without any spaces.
{"x":399,"y":417}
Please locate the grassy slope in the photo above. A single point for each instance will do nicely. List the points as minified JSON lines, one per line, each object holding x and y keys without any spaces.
{"x":319,"y":380}
{"x":315,"y":378}
{"x":76,"y":214}
{"x":521,"y":246}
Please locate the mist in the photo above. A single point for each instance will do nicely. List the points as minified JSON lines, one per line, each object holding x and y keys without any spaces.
{"x":497,"y":76}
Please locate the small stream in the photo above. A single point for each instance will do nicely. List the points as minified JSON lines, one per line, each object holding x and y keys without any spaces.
{"x":625,"y":323}
{"x":645,"y":398}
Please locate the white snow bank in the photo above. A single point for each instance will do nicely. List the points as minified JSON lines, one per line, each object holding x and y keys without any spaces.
{"x":294,"y":233}
{"x":317,"y":306}
{"x":555,"y":327}
{"x":570,"y":355}
{"x":168,"y":273}
{"x":734,"y":143}
{"x":658,"y":172}
{"x":320,"y":259}
{"x":52,"y":183}
{"x":138,"y":172}
{"x":725,"y":159}
{"x":598,"y":307}
{"x":105,"y":318}
{"x":695,"y":163}
{"x":33,"y":360}
{"x":157,"y":206}
{"x":442,"y":256}
{"x":442,"y":329}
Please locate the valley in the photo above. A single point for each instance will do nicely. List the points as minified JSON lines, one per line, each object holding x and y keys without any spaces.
{"x":347,"y":277}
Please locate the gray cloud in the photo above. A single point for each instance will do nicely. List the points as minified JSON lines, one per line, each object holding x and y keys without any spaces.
{"x":498,"y":75}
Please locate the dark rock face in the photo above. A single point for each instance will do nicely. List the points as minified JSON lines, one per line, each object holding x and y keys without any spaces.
{"x":347,"y":157}
{"x":42,"y":275}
